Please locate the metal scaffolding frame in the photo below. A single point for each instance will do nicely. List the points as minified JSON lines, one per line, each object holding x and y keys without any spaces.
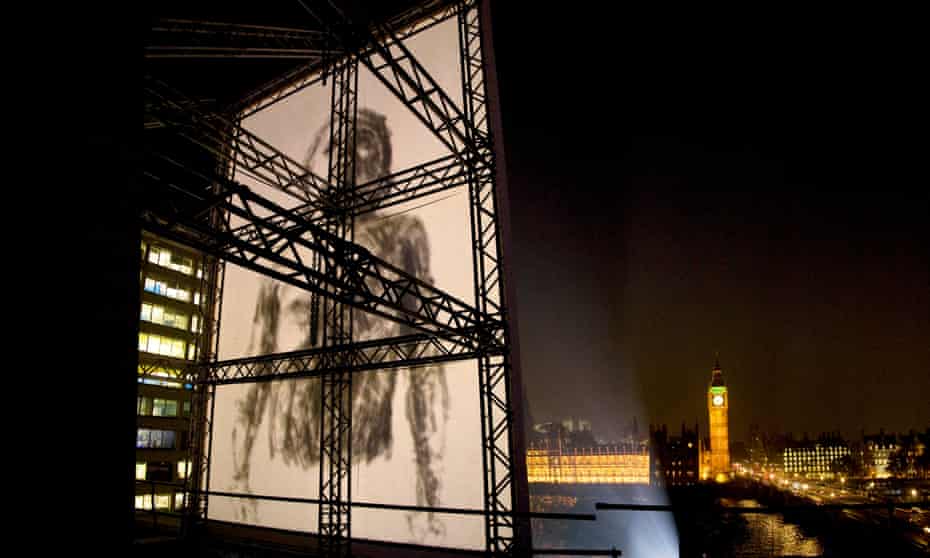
{"x":494,"y":370}
{"x":311,"y":245}
{"x":200,"y":439}
{"x":335,"y":488}
{"x":406,"y":351}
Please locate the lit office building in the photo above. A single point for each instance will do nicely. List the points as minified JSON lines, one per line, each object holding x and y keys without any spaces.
{"x":815,"y":459}
{"x":170,"y":333}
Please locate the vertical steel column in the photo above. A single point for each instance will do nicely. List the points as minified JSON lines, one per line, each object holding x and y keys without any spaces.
{"x":203,"y":402}
{"x":501,"y":453}
{"x":200,"y":433}
{"x":336,"y":387}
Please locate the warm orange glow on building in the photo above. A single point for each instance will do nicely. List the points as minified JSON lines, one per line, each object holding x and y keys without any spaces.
{"x":718,"y":403}
{"x":602,"y":465}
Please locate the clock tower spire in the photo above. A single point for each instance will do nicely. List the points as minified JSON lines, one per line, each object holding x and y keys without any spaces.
{"x":718,"y":403}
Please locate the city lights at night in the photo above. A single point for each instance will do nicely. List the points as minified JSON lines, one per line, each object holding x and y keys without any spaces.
{"x":481,"y":278}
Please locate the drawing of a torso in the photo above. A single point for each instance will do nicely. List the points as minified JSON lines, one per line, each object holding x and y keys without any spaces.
{"x":281,"y":322}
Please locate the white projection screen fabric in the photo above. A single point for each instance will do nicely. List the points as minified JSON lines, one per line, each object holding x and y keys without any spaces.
{"x":416,"y":433}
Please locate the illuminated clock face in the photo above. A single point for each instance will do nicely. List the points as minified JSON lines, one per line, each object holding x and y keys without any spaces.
{"x":718,"y":400}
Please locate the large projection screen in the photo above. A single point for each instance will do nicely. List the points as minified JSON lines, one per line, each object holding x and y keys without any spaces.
{"x":416,"y":433}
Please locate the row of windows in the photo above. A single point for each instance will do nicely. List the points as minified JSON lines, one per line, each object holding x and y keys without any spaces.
{"x":162,"y":501}
{"x":161,"y":471}
{"x":825,"y":451}
{"x":166,"y":346}
{"x":157,"y":382}
{"x":155,"y":407}
{"x":162,"y":372}
{"x":163,"y":316}
{"x":170,"y":290}
{"x":160,"y":255}
{"x":811,"y":467}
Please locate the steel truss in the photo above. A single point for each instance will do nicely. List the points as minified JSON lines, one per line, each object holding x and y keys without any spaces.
{"x":335,"y":488}
{"x":352,"y":275}
{"x":406,"y":351}
{"x":389,"y":60}
{"x":203,"y":400}
{"x":499,"y":452}
{"x":252,"y":155}
{"x":183,"y":38}
{"x":416,"y":19}
{"x":311,"y":245}
{"x":444,"y":173}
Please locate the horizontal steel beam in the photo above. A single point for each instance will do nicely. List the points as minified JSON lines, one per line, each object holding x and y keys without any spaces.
{"x":439,"y":175}
{"x":409,"y":351}
{"x":182,"y":38}
{"x":404,"y":507}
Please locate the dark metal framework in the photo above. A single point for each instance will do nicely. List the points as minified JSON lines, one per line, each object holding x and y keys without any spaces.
{"x":311,"y":244}
{"x":407,"y":351}
{"x":494,"y":368}
{"x":335,"y":488}
{"x":183,"y":38}
{"x":203,"y":400}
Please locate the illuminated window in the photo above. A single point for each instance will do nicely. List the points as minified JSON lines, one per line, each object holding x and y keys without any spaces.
{"x":175,"y":319}
{"x":147,"y":438}
{"x":163,"y":501}
{"x":165,"y":408}
{"x":178,"y":500}
{"x":164,"y":288}
{"x":159,"y":345}
{"x":191,"y":351}
{"x":183,"y":468}
{"x":165,"y":258}
{"x":178,"y":294}
{"x":197,"y":298}
{"x":143,"y":406}
{"x":140,"y":471}
{"x":144,"y":502}
{"x":195,"y":324}
{"x":154,"y":254}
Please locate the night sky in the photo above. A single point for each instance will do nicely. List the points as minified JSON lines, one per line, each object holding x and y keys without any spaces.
{"x":681,"y":189}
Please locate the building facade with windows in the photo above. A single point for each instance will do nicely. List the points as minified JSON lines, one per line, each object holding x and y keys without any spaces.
{"x":819,"y":458}
{"x":610,"y":464}
{"x":171,"y":337}
{"x":877,"y":449}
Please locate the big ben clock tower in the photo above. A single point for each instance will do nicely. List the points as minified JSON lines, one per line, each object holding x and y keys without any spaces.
{"x":718,"y":401}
